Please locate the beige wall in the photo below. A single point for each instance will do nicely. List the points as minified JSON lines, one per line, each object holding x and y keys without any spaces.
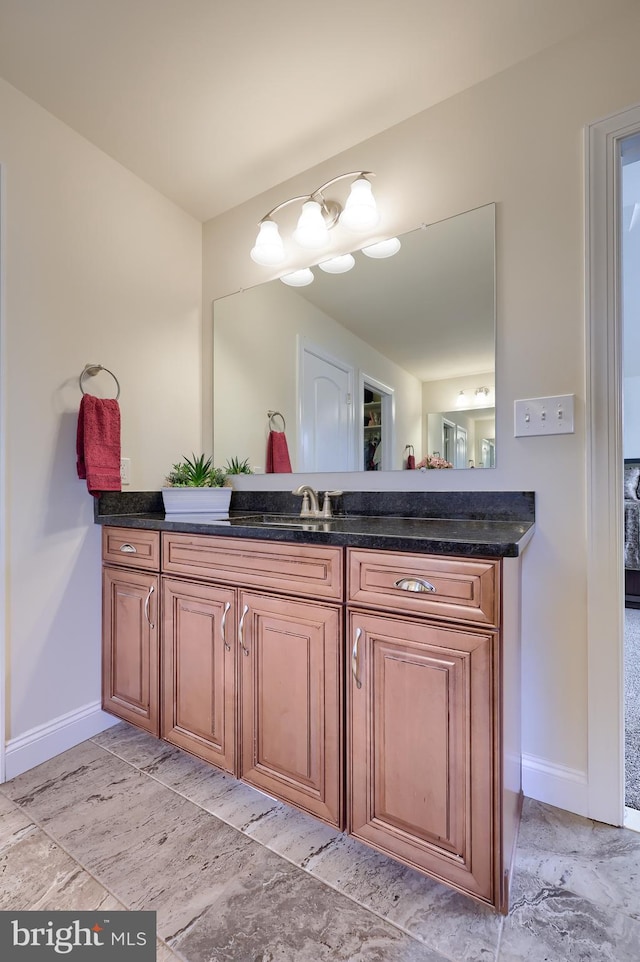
{"x":516,"y":139}
{"x":98,"y":267}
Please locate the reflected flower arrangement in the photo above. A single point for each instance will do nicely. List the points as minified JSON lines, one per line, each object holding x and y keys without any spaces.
{"x":433,"y":461}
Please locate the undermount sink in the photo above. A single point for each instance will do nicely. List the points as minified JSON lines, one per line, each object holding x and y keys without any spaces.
{"x":287,"y":521}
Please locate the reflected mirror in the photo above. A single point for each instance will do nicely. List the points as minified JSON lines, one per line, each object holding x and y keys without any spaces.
{"x":376,"y":369}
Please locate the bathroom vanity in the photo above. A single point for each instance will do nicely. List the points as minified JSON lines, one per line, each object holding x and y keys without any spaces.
{"x":365,"y":670}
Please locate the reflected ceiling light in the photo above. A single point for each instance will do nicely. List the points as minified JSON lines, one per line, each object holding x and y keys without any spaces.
{"x":298,"y":278}
{"x":385,"y":248}
{"x":482,"y":395}
{"x":317,"y":217}
{"x":461,"y":400}
{"x":338,"y":265}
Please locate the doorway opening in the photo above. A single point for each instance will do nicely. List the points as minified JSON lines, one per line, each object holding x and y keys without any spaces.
{"x":629,"y":283}
{"x":3,"y":506}
{"x":605,"y":490}
{"x":377,"y":425}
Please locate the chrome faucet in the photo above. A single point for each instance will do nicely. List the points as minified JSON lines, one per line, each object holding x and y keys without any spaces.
{"x":310,"y":504}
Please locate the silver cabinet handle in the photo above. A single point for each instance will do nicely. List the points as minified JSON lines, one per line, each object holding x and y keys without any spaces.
{"x":222,"y":626}
{"x":414,"y":584}
{"x":354,"y":658}
{"x":128,"y":548}
{"x":241,"y":630}
{"x":146,"y":606}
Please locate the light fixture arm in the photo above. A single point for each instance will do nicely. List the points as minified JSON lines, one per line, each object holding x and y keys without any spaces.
{"x":331,"y":209}
{"x":285,"y":203}
{"x":334,"y":180}
{"x":318,"y":215}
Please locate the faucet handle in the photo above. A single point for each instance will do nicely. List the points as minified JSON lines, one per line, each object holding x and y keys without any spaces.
{"x":305,"y":510}
{"x":326,"y":503}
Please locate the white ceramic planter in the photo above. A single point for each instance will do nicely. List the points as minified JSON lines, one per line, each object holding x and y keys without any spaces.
{"x":212,"y":501}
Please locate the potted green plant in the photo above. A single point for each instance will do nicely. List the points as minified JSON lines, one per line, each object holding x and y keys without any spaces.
{"x":195,"y":486}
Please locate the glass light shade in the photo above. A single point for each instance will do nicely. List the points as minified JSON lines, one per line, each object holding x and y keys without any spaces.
{"x":338,"y":265}
{"x":312,"y":232}
{"x":461,"y":400}
{"x":385,"y":248}
{"x":298,"y":278}
{"x":269,"y":249}
{"x":360,"y":211}
{"x":482,"y":395}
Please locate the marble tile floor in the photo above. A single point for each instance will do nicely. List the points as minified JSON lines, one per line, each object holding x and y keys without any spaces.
{"x":126,"y":821}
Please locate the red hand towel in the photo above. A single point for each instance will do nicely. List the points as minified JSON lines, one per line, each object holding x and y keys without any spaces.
{"x":98,"y":444}
{"x":411,"y":463}
{"x":278,"y":453}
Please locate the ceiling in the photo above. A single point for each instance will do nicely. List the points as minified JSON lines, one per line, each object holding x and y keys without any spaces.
{"x":214,"y":101}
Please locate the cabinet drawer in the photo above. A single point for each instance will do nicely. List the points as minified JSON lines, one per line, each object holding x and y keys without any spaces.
{"x":313,"y":571}
{"x":462,"y":590}
{"x":133,"y":547}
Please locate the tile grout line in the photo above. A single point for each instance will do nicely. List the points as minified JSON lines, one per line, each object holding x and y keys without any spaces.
{"x":35,"y":822}
{"x":290,"y":861}
{"x":499,"y":945}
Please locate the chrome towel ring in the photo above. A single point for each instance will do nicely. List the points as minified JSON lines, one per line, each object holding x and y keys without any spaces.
{"x":276,"y":414}
{"x":90,"y":370}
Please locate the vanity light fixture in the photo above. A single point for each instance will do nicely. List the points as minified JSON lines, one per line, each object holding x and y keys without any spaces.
{"x":482,"y":395}
{"x":461,"y":400}
{"x":318,"y":216}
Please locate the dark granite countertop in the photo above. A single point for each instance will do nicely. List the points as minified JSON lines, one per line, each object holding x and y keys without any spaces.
{"x":492,"y":532}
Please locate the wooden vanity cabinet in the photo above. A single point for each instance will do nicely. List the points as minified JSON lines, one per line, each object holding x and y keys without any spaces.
{"x":291,"y":695}
{"x":130,"y":609}
{"x":286,"y":647}
{"x":428,"y":778}
{"x":421,"y":746}
{"x":261,"y":662}
{"x":199,"y":670}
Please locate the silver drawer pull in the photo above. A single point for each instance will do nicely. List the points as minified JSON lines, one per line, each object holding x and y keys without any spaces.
{"x":146,"y":607}
{"x":222,"y":626}
{"x":354,"y":658}
{"x":415,"y":584}
{"x":245,"y":651}
{"x":128,"y":548}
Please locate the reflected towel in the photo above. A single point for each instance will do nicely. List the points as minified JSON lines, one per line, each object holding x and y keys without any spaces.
{"x":98,"y":444}
{"x":278,"y":453}
{"x":411,"y":463}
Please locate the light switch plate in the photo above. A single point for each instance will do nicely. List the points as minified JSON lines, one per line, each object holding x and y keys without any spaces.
{"x":544,"y":415}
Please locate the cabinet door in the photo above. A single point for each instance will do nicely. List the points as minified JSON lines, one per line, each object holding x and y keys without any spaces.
{"x":198,"y":663}
{"x":291,"y":692}
{"x":130,"y":646}
{"x":421,"y":755}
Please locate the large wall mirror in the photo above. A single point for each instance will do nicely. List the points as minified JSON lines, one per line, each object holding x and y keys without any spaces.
{"x":395,"y":358}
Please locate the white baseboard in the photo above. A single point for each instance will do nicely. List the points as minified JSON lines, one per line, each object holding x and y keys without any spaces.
{"x":46,"y":741}
{"x":557,"y":785}
{"x":553,"y":784}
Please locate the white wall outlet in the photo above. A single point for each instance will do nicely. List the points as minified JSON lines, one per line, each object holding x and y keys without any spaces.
{"x":125,"y":470}
{"x":544,"y":415}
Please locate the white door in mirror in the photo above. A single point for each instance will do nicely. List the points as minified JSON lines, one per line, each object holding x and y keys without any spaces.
{"x":544,"y":415}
